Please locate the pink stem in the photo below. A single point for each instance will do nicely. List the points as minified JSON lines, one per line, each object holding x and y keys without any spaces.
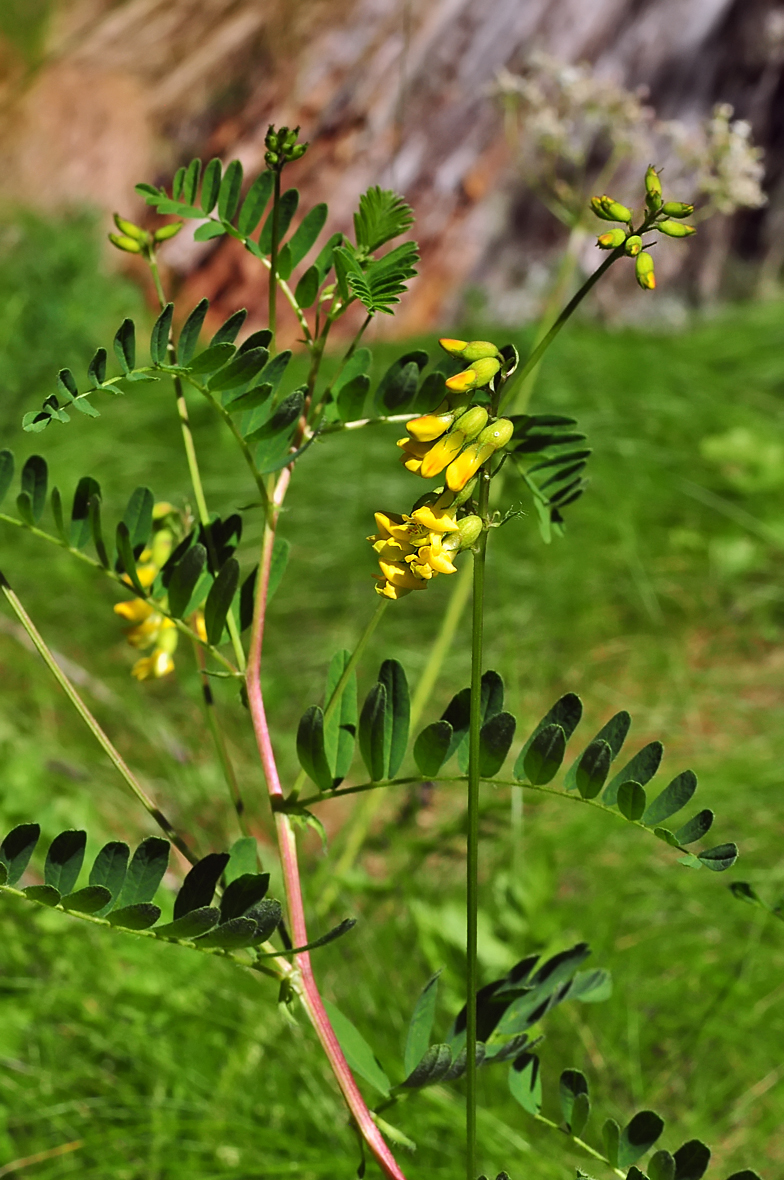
{"x":288,"y":856}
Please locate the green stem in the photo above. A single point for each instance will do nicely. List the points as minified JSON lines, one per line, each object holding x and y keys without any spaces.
{"x":258,"y":478}
{"x":597,"y":1155}
{"x":472,"y":852}
{"x":273,"y":276}
{"x":460,"y":594}
{"x":95,"y":729}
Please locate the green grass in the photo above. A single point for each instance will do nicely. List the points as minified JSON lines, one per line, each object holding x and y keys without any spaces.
{"x":664,"y":597}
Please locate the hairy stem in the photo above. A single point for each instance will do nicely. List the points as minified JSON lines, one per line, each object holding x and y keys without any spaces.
{"x":95,"y":729}
{"x":288,"y":854}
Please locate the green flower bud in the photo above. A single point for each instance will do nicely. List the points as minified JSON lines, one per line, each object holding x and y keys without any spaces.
{"x":129,"y":229}
{"x":675,"y":229}
{"x":653,"y":189}
{"x":472,"y":421}
{"x":612,"y":239}
{"x":610,"y":210}
{"x":123,"y":242}
{"x":469,"y":531}
{"x":465,"y":493}
{"x":469,"y":350}
{"x":480,"y":373}
{"x":298,"y":152}
{"x":168,"y":231}
{"x":633,"y":245}
{"x":497,"y":434}
{"x":677,"y":209}
{"x":643,"y":270}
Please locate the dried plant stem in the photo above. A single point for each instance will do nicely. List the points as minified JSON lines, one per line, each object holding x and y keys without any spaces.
{"x":288,"y":854}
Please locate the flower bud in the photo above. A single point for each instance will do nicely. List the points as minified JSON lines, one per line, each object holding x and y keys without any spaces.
{"x":467,"y":463}
{"x":471,"y":421}
{"x":123,"y":242}
{"x":633,"y":245}
{"x":480,"y":350}
{"x":465,"y":493}
{"x":612,"y":239}
{"x":643,"y":270}
{"x":168,"y":231}
{"x":675,"y":229}
{"x":677,"y":209}
{"x":469,"y":531}
{"x":653,"y":189}
{"x":497,"y":435}
{"x":481,"y":373}
{"x":610,"y":210}
{"x":429,"y":427}
{"x":442,"y":453}
{"x":129,"y":229}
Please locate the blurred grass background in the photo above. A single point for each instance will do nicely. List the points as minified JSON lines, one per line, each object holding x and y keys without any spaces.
{"x":664,"y":597}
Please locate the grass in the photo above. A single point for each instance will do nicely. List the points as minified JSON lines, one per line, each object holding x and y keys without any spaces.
{"x":664,"y":598}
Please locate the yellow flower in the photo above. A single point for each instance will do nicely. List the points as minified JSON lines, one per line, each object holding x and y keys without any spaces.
{"x":429,"y":427}
{"x":435,"y":519}
{"x":466,"y":465}
{"x":154,"y":666}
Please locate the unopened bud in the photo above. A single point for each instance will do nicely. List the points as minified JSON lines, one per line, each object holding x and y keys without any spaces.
{"x":481,"y":373}
{"x":653,"y":189}
{"x":469,"y":531}
{"x":610,"y":210}
{"x":168,"y":231}
{"x":676,"y":229}
{"x":677,"y":209}
{"x":123,"y":242}
{"x":472,"y":421}
{"x":643,"y":270}
{"x":129,"y":230}
{"x":633,"y":245}
{"x":612,"y":239}
{"x":465,"y":493}
{"x":497,"y":434}
{"x":296,"y":153}
{"x":469,"y":350}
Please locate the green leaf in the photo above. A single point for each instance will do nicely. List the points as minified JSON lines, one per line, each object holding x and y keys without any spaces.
{"x":212,"y":358}
{"x":243,"y":859}
{"x":140,"y":916}
{"x":159,"y":339}
{"x":184,"y":577}
{"x":189,"y":336}
{"x":372,"y":725}
{"x":591,"y":987}
{"x":127,"y":562}
{"x":525,"y":1082}
{"x":384,"y":280}
{"x":208,"y":231}
{"x":356,"y":1050}
{"x":388,"y":391}
{"x":267,"y":915}
{"x":56,"y":502}
{"x":382,"y":215}
{"x":674,"y":797}
{"x":231,"y":935}
{"x":125,"y":345}
{"x":96,"y":370}
{"x":572,"y":1084}
{"x":421,"y":1025}
{"x":219,"y":600}
{"x":3,"y":874}
{"x":640,"y":769}
{"x":190,"y":925}
{"x":303,"y":239}
{"x":611,"y":1137}
{"x":691,"y":1160}
{"x":539,"y":762}
{"x":286,"y":210}
{"x":351,"y":398}
{"x":16,"y":850}
{"x":431,"y":393}
{"x":592,"y":768}
{"x":696,"y":828}
{"x":145,"y":872}
{"x":138,"y":516}
{"x":356,"y":365}
{"x":280,"y":558}
{"x":307,"y":288}
{"x":35,"y":477}
{"x":239,"y":371}
{"x":250,"y":399}
{"x":6,"y":472}
{"x":746,"y":1174}
{"x":255,"y":203}
{"x":745,"y":892}
{"x":64,"y":860}
{"x":94,"y":510}
{"x":431,"y":748}
{"x":458,"y":713}
{"x":401,"y":392}
{"x":230,"y":329}
{"x":210,"y":185}
{"x":89,"y":900}
{"x":24,"y":506}
{"x":110,"y":868}
{"x":325,"y":259}
{"x":566,"y":712}
{"x":285,"y":417}
{"x":495,"y":738}
{"x":178,"y":183}
{"x":340,"y":730}
{"x":639,"y":1136}
{"x":44,"y":894}
{"x":310,"y":748}
{"x":433,"y":1066}
{"x":199,"y":885}
{"x":273,"y":373}
{"x":398,"y":715}
{"x":543,"y":991}
{"x":631,"y":800}
{"x":244,"y":892}
{"x":229,"y":191}
{"x":614,"y":733}
{"x":661,"y":1166}
{"x":722,"y":857}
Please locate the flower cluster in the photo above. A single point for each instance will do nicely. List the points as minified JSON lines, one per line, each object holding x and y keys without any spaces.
{"x":664,"y":216}
{"x":150,"y":629}
{"x":456,"y":438}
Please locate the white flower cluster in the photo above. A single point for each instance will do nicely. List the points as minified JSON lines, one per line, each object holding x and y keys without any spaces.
{"x":726,"y":166}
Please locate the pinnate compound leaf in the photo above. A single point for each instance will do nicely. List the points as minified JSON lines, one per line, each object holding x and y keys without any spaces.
{"x":199,"y":885}
{"x":311,"y":748}
{"x":421,"y":1026}
{"x":539,"y":762}
{"x":382,"y":215}
{"x":722,"y":857}
{"x":631,"y":800}
{"x":109,"y":869}
{"x":572,"y":1083}
{"x":640,"y":769}
{"x":696,"y":828}
{"x":139,"y":916}
{"x":592,"y":768}
{"x":397,"y":717}
{"x":255,"y":203}
{"x":191,"y":924}
{"x":433,"y":1066}
{"x":431,"y":748}
{"x":64,"y":860}
{"x":638,"y":1136}
{"x":242,"y":893}
{"x":372,"y":725}
{"x":691,"y":1160}
{"x":35,"y":479}
{"x":357,"y":1051}
{"x":189,"y":336}
{"x":6,"y":472}
{"x":229,"y":191}
{"x":145,"y":872}
{"x":219,"y":600}
{"x":17,"y":848}
{"x":125,"y":345}
{"x":159,"y":339}
{"x":495,"y":738}
{"x":184,"y":577}
{"x":661,"y":1166}
{"x":525,"y":1082}
{"x":89,"y":900}
{"x":672,"y":799}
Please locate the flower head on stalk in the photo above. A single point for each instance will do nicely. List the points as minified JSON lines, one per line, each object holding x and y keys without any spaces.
{"x":414,"y":548}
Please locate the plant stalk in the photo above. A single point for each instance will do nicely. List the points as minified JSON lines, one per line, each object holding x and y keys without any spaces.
{"x":273,"y":274}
